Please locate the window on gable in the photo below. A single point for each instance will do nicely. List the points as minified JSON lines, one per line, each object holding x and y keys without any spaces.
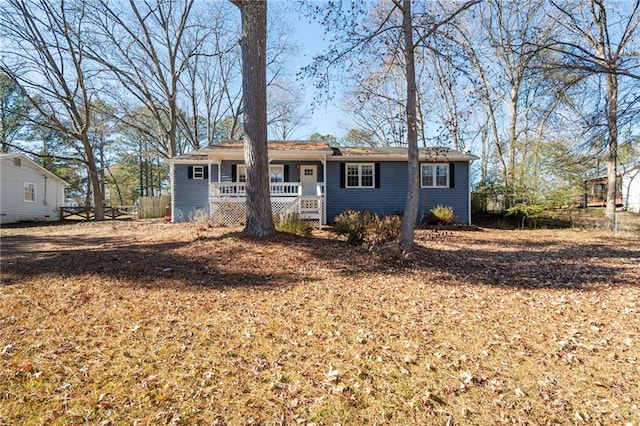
{"x":434,"y":175}
{"x":17,"y":162}
{"x":198,"y":172}
{"x":360,"y":175}
{"x":29,"y":192}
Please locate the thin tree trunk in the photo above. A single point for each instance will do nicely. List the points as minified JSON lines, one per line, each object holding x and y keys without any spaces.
{"x":410,"y":217}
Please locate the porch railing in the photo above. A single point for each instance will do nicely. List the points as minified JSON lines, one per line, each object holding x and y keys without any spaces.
{"x":276,"y":189}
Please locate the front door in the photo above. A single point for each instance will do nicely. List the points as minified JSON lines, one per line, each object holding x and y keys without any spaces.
{"x":309,"y":179}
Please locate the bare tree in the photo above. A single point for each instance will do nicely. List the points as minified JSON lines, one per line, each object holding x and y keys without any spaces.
{"x":143,"y":45}
{"x":254,"y":84}
{"x":376,"y":105}
{"x":48,"y":59}
{"x":284,"y":109}
{"x":213,"y":78}
{"x":601,"y":41}
{"x":358,"y":38}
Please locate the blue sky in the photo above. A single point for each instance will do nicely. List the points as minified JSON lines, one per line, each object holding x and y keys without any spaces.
{"x":324,"y":119}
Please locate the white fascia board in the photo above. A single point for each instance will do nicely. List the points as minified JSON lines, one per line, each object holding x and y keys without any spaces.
{"x":187,"y":161}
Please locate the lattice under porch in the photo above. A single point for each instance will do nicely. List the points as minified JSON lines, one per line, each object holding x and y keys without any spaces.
{"x":232,"y":212}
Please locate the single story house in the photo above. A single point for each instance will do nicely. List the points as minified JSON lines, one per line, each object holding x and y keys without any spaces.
{"x":318,"y":181}
{"x":627,"y":188}
{"x":28,"y":191}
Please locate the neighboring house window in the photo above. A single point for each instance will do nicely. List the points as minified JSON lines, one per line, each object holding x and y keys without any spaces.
{"x":29,"y":192}
{"x":434,"y":175}
{"x":17,"y":162}
{"x":276,"y":173}
{"x":360,"y":175}
{"x":198,"y":172}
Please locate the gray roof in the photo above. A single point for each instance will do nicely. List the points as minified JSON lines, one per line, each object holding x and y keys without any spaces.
{"x":621,"y":170}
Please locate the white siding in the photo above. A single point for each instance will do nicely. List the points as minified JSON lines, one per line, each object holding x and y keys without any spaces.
{"x":631,"y":190}
{"x":13,"y":208}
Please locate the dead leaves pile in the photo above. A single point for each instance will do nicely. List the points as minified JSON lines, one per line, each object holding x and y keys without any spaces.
{"x":217,"y":328}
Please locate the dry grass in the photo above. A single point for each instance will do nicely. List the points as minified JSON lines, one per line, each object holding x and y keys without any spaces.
{"x":145,"y":323}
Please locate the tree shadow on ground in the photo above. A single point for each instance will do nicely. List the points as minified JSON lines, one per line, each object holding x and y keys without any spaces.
{"x":144,"y":264}
{"x":534,"y":265}
{"x":233,"y":259}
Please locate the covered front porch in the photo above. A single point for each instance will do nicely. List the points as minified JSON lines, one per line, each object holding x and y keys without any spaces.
{"x":227,"y":201}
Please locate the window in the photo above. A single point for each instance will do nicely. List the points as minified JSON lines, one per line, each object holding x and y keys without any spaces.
{"x":308,"y":172}
{"x":276,"y":173}
{"x":17,"y":162}
{"x":242,"y":174}
{"x":29,"y":192}
{"x":434,"y":175}
{"x":359,"y":175}
{"x":198,"y":172}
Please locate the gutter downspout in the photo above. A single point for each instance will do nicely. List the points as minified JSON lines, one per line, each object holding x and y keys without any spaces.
{"x":44,"y":200}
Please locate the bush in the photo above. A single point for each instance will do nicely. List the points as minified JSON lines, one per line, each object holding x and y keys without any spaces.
{"x":381,"y":231}
{"x":368,"y":230}
{"x":292,"y":224}
{"x":200,"y":218}
{"x":441,"y":215}
{"x":528,"y":212}
{"x":353,"y":224}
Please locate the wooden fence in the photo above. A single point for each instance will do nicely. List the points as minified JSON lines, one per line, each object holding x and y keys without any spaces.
{"x":152,"y":207}
{"x":89,"y":213}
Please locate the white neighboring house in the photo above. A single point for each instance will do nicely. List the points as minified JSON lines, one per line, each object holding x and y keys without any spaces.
{"x":28,"y":191}
{"x":631,"y":188}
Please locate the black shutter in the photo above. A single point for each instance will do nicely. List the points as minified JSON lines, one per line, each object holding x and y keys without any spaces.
{"x":286,"y":173}
{"x":190,"y":172}
{"x":452,"y":176}
{"x":234,"y":170}
{"x":205,"y":173}
{"x":377,"y":174}
{"x":343,"y":166}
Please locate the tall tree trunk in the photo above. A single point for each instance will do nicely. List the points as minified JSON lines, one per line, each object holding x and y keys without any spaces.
{"x":410,"y":217}
{"x":510,"y":184}
{"x":612,"y":142}
{"x":94,"y":179}
{"x":254,"y":93}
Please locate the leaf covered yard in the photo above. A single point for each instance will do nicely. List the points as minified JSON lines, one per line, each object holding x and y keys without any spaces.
{"x":147,"y":323}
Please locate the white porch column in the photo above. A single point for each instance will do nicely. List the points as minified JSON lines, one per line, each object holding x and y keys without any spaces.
{"x":324,"y":180}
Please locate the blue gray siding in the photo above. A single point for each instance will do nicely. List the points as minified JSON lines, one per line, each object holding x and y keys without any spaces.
{"x":392,"y":194}
{"x":190,"y":194}
{"x":293,"y":167}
